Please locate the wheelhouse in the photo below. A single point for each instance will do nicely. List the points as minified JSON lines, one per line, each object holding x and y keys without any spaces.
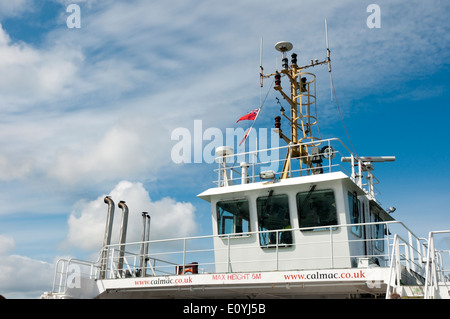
{"x":322,"y":220}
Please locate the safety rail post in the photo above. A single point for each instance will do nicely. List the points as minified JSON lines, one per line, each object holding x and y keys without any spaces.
{"x":430,"y":263}
{"x":331,"y":247}
{"x":407,"y":258}
{"x":387,"y":241}
{"x":228,"y":254}
{"x":393,"y":269}
{"x":419,"y":254}
{"x":276,"y":248}
{"x":91,"y":271}
{"x":413,"y":265}
{"x":330,"y":157}
{"x":111,"y":272}
{"x":59,"y":274}
{"x":184,"y":255}
{"x":66,"y":273}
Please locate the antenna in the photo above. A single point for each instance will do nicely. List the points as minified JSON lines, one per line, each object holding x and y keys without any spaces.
{"x":301,"y":96}
{"x":261,"y":72}
{"x":328,"y":59}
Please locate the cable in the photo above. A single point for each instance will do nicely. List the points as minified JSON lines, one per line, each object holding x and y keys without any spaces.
{"x":259,"y":111}
{"x":340,"y":114}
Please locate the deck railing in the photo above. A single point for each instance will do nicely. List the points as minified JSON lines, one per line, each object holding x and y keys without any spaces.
{"x":329,"y":156}
{"x":176,"y":256}
{"x":437,"y":268}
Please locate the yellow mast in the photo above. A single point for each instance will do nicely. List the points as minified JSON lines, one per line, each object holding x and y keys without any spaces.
{"x":301,"y":98}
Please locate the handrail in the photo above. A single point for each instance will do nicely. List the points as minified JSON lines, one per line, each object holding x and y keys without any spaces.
{"x":226,"y":172}
{"x":64,"y":272}
{"x":435,"y":267}
{"x":165,"y":259}
{"x":433,"y":270}
{"x":168,"y":261}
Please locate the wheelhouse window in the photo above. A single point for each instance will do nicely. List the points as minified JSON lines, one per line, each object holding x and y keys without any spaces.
{"x":355,"y":213}
{"x":316,"y":208}
{"x":273,"y":219}
{"x":379,"y":231}
{"x":233,"y":217}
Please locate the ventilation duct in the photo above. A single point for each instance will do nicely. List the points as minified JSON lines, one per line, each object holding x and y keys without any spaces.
{"x":107,"y":239}
{"x":123,"y":235}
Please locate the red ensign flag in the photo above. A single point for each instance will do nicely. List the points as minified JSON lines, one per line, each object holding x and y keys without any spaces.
{"x":250,"y":116}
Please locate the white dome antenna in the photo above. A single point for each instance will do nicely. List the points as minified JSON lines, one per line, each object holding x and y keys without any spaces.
{"x":283,"y":46}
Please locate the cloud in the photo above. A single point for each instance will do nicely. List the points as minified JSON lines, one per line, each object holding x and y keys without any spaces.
{"x":6,"y":244}
{"x":169,"y":218}
{"x":24,"y":277}
{"x":20,"y":276}
{"x":35,"y":76}
{"x":122,"y":152}
{"x":14,"y":8}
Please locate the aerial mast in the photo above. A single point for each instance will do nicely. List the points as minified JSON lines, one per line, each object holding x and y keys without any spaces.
{"x":302,"y":101}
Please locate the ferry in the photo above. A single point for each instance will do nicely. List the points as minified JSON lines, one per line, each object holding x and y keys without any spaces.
{"x":312,"y":229}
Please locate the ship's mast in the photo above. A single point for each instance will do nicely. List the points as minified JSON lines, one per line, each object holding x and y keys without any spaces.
{"x":302,"y":100}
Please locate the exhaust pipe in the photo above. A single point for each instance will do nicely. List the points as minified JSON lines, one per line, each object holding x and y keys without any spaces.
{"x":145,"y":241}
{"x":142,"y":259}
{"x":123,"y":235}
{"x":148,"y":236}
{"x":107,"y":239}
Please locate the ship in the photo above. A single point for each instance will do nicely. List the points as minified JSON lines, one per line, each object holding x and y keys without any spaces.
{"x":312,"y":229}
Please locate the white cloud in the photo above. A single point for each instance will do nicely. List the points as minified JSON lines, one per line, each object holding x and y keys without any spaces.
{"x":169,"y":218}
{"x":23,"y":277}
{"x":20,"y":276}
{"x":6,"y":244}
{"x":14,"y":8}
{"x":121,"y":151}
{"x":35,"y":76}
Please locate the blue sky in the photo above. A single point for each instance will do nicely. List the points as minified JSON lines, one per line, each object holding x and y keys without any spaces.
{"x":89,"y":111}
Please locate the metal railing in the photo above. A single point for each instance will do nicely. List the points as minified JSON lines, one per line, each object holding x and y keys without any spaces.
{"x":68,"y":273}
{"x":437,"y":267}
{"x":402,"y":251}
{"x":431,"y":265}
{"x":246,"y":167}
{"x":173,"y":256}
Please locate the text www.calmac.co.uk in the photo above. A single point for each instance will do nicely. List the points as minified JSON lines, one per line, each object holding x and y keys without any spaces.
{"x":332,"y":275}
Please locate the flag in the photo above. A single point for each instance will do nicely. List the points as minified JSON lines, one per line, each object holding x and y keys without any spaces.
{"x":246,"y":134}
{"x":249,"y":116}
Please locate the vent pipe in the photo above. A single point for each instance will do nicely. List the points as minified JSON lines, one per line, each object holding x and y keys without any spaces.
{"x":108,"y":232}
{"x":142,"y":259}
{"x":123,"y":234}
{"x":147,"y":240}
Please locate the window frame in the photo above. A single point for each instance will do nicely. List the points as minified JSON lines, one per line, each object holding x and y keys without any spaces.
{"x":285,"y":237}
{"x":379,"y":240}
{"x":356,"y":229}
{"x":326,"y":227}
{"x":221,"y":219}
